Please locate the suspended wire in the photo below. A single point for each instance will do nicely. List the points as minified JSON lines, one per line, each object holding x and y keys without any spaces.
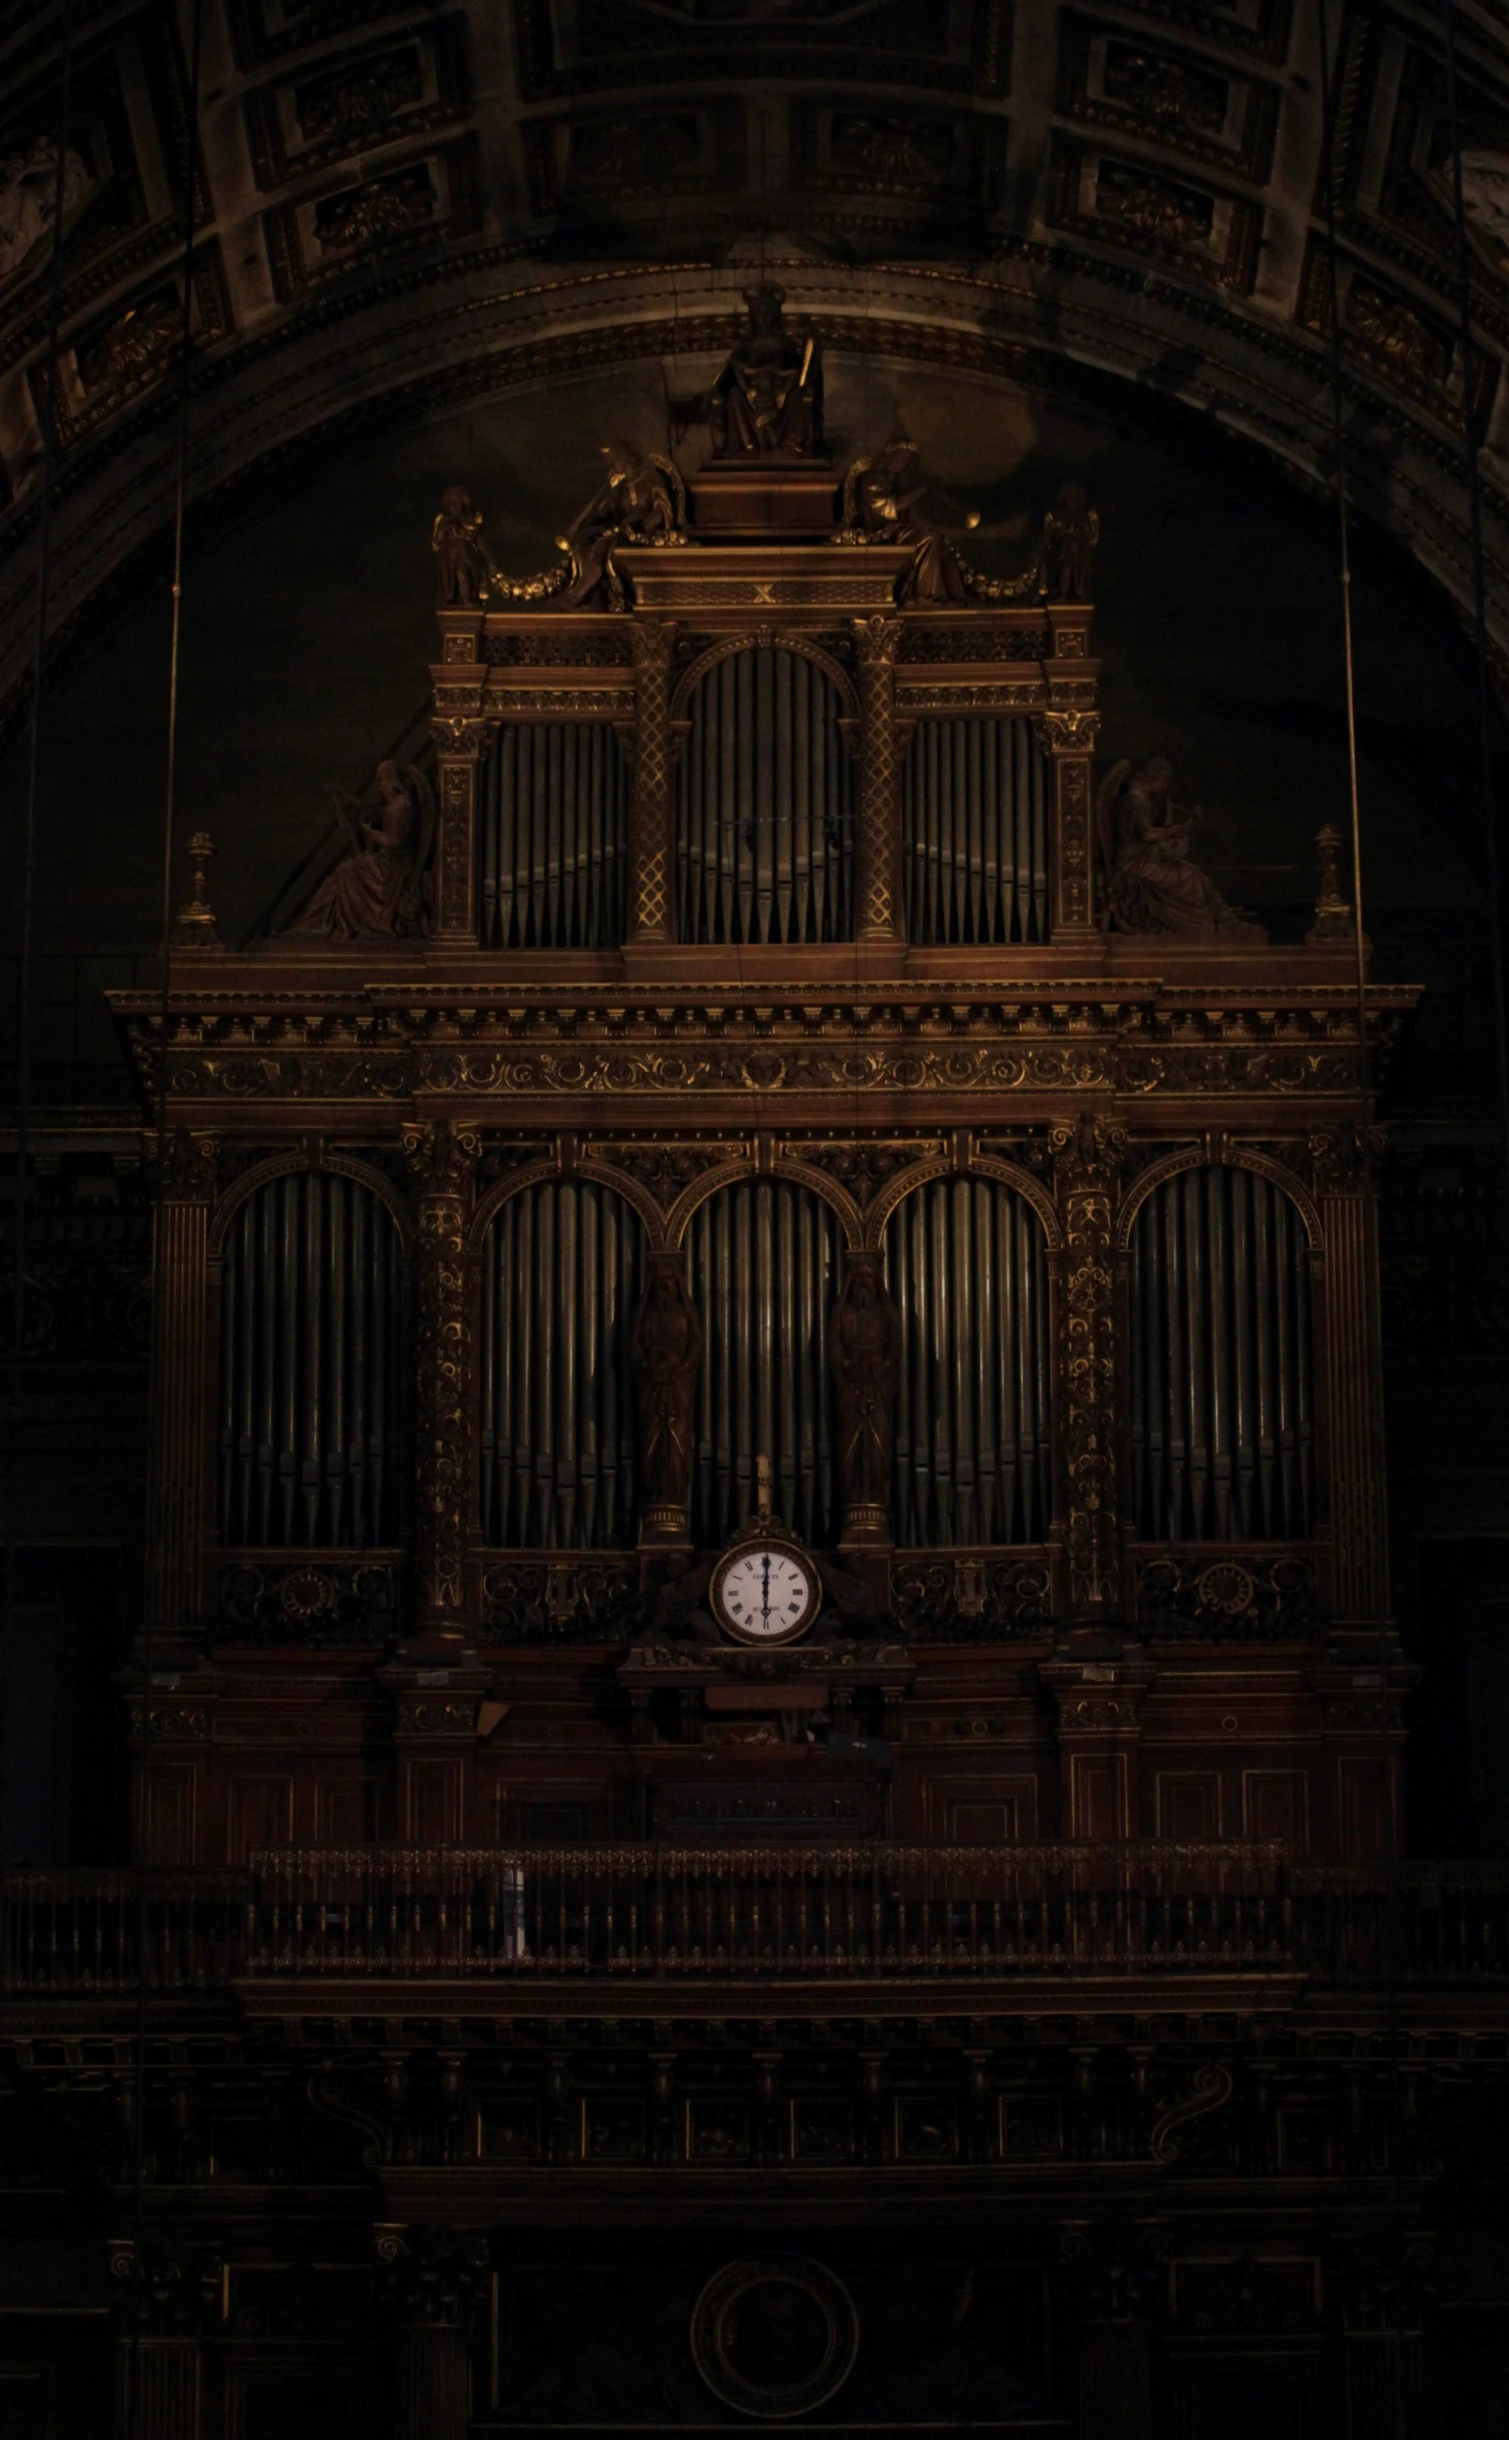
{"x":136,"y":2411}
{"x":28,"y":862}
{"x":1328,"y":163}
{"x":1479,"y":594}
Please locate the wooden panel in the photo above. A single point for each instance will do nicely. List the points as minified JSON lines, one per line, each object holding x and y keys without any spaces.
{"x":1364,"y":1810}
{"x":345,"y":1812}
{"x":170,"y":1813}
{"x":1099,"y":1808}
{"x":983,"y":1808}
{"x":259,"y":1813}
{"x":1276,"y":1804}
{"x":1189,"y":1804}
{"x":432,"y":1801}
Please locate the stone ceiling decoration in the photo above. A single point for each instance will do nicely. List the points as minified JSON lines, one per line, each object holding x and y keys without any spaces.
{"x":398,"y":207}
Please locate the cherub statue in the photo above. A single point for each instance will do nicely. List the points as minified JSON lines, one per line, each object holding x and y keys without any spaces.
{"x":640,"y":501}
{"x":383,"y":889}
{"x":1149,"y":881}
{"x":1071,"y":531}
{"x":768,"y":399}
{"x":864,"y":1357}
{"x":461,"y":562}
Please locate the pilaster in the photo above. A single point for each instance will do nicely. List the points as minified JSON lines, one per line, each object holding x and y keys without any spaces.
{"x":431,"y":2279}
{"x":652,"y":896}
{"x":461,"y":737}
{"x":1087,"y":1154}
{"x":1068,"y":738}
{"x":443,"y":1159}
{"x":878,"y":863}
{"x":179,"y":1499}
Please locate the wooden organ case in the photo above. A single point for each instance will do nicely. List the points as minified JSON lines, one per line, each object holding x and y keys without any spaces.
{"x":765,"y":936}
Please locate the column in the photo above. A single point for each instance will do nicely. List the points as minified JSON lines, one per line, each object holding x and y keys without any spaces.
{"x":1068,"y":738}
{"x":443,"y":1160}
{"x":162,"y":2303}
{"x":431,"y":2279}
{"x":877,"y":880}
{"x":652,"y":897}
{"x":179,"y":1498}
{"x":1114,"y":2274}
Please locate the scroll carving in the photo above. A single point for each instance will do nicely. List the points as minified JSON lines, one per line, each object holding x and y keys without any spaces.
{"x":443,"y":1159}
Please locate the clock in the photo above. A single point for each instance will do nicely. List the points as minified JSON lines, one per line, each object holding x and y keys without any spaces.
{"x":765,"y":1592}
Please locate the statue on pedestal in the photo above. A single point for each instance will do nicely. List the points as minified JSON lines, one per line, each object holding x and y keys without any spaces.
{"x":768,"y":399}
{"x":383,"y":888}
{"x":1150,"y":882}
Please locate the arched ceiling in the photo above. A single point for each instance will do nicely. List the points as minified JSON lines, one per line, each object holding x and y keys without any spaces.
{"x":402,"y":207}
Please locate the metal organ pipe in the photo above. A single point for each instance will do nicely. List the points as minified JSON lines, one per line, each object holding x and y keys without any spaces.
{"x":764,"y":1274}
{"x":966,"y":1265}
{"x":310,"y":1346}
{"x":555,"y":835}
{"x":1221,"y":1369}
{"x":561,"y":1271}
{"x":764,"y":804}
{"x":974,"y":819}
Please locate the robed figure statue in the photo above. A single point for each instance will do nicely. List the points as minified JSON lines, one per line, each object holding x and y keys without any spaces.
{"x":864,"y":1357}
{"x":768,"y":399}
{"x":383,"y":886}
{"x":1150,"y":881}
{"x":667,"y":1359}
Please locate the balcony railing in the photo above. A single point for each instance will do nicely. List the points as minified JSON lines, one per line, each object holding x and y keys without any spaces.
{"x":753,"y":1914}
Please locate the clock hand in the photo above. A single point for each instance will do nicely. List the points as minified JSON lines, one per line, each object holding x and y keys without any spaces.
{"x":765,"y":1595}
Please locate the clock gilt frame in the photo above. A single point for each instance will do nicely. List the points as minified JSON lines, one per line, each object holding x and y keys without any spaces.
{"x":1082,"y":1071}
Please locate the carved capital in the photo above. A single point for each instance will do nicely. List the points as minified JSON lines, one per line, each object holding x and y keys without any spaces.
{"x":877,"y":641}
{"x":1088,"y":1154}
{"x":189,"y":1169}
{"x":443,"y":1158}
{"x":1066,"y":732}
{"x":431,"y":2277}
{"x":1345,"y":1160}
{"x":454,"y":733}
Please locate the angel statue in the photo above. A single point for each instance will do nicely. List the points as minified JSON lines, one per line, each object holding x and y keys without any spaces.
{"x":1150,"y":883}
{"x":640,"y":501}
{"x":879,"y":507}
{"x":383,"y":887}
{"x":864,"y":1357}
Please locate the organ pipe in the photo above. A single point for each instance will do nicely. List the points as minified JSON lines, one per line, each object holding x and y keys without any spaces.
{"x":1222,"y":1399}
{"x":974,"y":817}
{"x":560,"y":1288}
{"x":966,"y":1265}
{"x":555,"y":830}
{"x":764,"y":805}
{"x":310,"y":1365}
{"x":764,"y":1274}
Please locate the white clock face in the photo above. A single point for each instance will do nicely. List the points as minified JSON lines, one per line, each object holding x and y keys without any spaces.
{"x":765,"y":1594}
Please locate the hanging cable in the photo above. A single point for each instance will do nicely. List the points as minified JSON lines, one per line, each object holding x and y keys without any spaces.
{"x":135,"y":2417}
{"x":1328,"y":169}
{"x":1479,"y":594}
{"x":28,"y":860}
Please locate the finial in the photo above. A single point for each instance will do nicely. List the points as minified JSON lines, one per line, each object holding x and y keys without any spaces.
{"x":762,"y":1486}
{"x":194,"y":924}
{"x":1333,"y":915}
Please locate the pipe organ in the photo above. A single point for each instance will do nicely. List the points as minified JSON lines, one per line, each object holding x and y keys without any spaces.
{"x":315,"y":1366}
{"x":768,"y":1125}
{"x":560,"y":1279}
{"x":765,"y":803}
{"x":1220,"y":1362}
{"x":554,"y":833}
{"x":974,"y":832}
